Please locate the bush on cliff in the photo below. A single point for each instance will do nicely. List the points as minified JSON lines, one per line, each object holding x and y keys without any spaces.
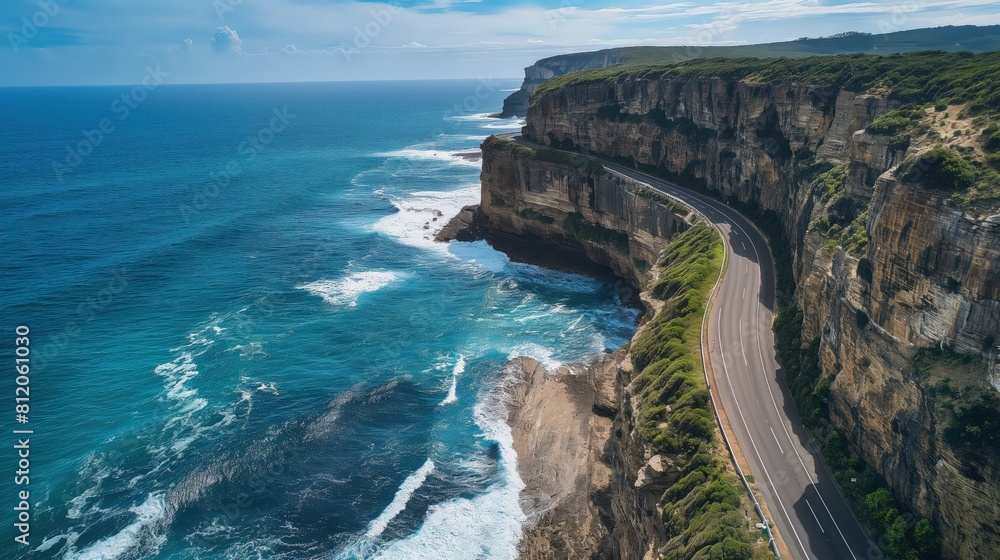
{"x":940,"y":169}
{"x":890,"y":123}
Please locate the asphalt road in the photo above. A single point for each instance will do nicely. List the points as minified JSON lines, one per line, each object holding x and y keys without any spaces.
{"x":808,"y":509}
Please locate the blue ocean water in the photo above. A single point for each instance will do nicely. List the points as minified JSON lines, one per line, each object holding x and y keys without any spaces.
{"x":245,"y":343}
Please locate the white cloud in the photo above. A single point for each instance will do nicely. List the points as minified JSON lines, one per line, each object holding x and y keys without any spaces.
{"x":226,"y":39}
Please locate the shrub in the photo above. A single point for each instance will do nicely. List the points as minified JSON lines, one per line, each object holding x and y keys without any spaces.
{"x":993,"y":142}
{"x":994,"y":161}
{"x":940,"y":169}
{"x":976,"y":426}
{"x":890,"y":123}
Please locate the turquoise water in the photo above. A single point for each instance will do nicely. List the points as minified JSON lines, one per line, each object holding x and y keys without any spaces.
{"x":245,"y":343}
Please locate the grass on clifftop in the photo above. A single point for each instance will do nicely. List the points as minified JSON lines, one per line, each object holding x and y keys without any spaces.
{"x":914,"y":77}
{"x":703,"y":511}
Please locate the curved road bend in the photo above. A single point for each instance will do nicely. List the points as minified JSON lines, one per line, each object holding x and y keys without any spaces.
{"x":809,"y":510}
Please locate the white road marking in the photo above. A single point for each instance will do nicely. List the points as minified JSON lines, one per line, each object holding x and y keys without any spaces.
{"x":776,"y":440}
{"x":816,"y":518}
{"x":742,"y":349}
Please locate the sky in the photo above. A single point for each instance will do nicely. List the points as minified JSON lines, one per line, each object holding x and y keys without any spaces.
{"x":94,"y":42}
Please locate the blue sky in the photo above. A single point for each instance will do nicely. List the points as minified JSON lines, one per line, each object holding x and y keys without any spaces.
{"x":84,"y":42}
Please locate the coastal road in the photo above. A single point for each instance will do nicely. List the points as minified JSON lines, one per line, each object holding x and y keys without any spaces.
{"x":808,"y":509}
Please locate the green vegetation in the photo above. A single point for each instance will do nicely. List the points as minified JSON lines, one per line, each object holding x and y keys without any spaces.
{"x":940,"y":169}
{"x":830,"y":183}
{"x":596,"y":233}
{"x":946,"y":170}
{"x":973,"y":409}
{"x":976,"y":39}
{"x":702,"y":510}
{"x":894,"y":122}
{"x":844,"y":224}
{"x":918,"y":77}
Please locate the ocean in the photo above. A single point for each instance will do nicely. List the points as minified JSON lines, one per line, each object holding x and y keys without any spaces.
{"x":244,"y":341}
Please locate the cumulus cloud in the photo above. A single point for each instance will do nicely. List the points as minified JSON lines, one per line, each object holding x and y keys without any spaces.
{"x":414,"y":45}
{"x":226,"y":39}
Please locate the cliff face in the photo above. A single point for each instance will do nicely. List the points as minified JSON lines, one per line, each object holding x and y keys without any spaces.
{"x":573,"y":207}
{"x":920,"y":272}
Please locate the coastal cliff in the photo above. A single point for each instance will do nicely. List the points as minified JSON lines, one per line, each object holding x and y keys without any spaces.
{"x":516,"y":104}
{"x":950,"y":38}
{"x":621,"y":458}
{"x":898,"y":276}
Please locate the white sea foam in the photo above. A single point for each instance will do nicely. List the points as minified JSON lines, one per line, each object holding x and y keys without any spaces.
{"x":48,"y":543}
{"x":512,"y":124}
{"x":347,"y":290}
{"x":458,"y":370}
{"x":188,"y":423}
{"x":77,"y":503}
{"x":399,"y":501}
{"x":480,"y":254}
{"x":451,"y":157}
{"x":474,"y":117}
{"x":147,"y":514}
{"x":487,"y":526}
{"x":537,"y":352}
{"x":250,"y":350}
{"x":422,"y":214}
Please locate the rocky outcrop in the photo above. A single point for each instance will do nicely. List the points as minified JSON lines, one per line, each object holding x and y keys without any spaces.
{"x":582,"y":466}
{"x":927,"y":276}
{"x":575,"y":208}
{"x":467,"y":225}
{"x":516,"y":104}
